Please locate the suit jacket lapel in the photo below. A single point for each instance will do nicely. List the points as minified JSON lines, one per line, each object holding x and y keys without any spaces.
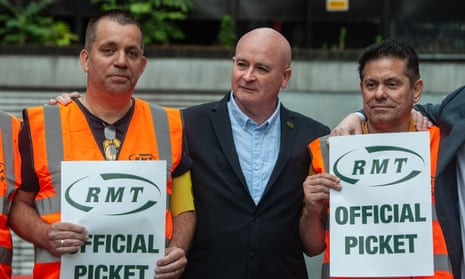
{"x":221,"y":125}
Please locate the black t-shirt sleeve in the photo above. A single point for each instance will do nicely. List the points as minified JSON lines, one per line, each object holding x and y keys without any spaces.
{"x":186,"y":161}
{"x":29,"y":181}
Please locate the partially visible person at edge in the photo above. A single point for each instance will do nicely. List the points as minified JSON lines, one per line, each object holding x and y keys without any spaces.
{"x":390,"y":84}
{"x":249,"y":159}
{"x":10,"y":177}
{"x":450,"y":173}
{"x":113,"y":60}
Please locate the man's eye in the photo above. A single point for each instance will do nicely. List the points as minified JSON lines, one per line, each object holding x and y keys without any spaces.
{"x":369,"y":85}
{"x":392,"y":85}
{"x":134,"y":54}
{"x":107,"y":51}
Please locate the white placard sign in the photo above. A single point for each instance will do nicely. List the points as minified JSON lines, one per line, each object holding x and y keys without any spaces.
{"x":123,"y":205}
{"x":380,"y":222}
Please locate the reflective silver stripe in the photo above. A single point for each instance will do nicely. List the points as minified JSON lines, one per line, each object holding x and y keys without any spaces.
{"x":435,"y":215}
{"x":5,"y":255}
{"x":48,"y":205}
{"x":7,"y":144}
{"x":54,"y":144}
{"x":325,"y":271}
{"x":43,"y":256}
{"x":162,"y":133}
{"x":55,"y":155}
{"x":54,"y":149}
{"x":325,"y":152}
{"x":442,"y":263}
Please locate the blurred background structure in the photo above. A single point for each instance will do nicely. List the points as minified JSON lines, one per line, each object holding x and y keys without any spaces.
{"x":189,"y":44}
{"x":428,"y":25}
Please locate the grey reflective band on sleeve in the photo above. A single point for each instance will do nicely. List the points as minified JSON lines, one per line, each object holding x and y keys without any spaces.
{"x":7,"y":143}
{"x":325,"y":152}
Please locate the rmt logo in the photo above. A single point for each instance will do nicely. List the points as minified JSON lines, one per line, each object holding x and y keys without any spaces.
{"x":385,"y":165}
{"x":104,"y":193}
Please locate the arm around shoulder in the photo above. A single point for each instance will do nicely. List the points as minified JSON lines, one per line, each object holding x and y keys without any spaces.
{"x":350,"y":125}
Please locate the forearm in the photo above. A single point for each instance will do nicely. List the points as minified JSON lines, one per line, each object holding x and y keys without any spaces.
{"x":25,"y":221}
{"x":312,"y":233}
{"x":183,"y":230}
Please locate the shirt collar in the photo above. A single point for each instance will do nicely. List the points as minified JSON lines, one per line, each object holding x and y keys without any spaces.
{"x":242,"y":119}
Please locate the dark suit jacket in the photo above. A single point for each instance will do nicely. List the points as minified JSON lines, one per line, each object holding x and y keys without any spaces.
{"x":450,"y":117}
{"x":233,"y":237}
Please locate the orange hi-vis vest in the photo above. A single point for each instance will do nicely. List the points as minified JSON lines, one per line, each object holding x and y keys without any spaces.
{"x":10,"y":166}
{"x":442,"y":266}
{"x":61,"y":133}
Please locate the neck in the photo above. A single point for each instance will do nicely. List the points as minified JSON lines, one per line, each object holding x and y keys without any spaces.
{"x":258,"y":114}
{"x":109,"y":111}
{"x":389,"y":128}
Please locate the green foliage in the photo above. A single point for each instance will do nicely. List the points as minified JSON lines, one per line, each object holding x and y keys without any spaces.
{"x":227,"y":36}
{"x":24,"y":24}
{"x":342,"y":38}
{"x":157,"y":17}
{"x":341,"y":44}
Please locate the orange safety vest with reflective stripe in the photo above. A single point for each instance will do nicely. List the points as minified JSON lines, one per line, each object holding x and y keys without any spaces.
{"x":442,"y":266}
{"x":10,"y":166}
{"x":154,"y":133}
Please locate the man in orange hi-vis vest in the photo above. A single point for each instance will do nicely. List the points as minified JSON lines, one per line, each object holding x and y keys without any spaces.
{"x":390,"y":84}
{"x":108,"y":123}
{"x":10,"y":176}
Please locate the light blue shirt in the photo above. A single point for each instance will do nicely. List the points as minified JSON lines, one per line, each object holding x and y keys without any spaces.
{"x":257,"y":147}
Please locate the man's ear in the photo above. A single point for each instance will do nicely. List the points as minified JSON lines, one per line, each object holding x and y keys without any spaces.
{"x":84,"y":59}
{"x":417,"y":90}
{"x":286,"y":77}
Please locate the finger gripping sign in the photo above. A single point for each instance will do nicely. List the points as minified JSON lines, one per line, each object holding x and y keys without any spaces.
{"x":381,"y":221}
{"x":123,"y":205}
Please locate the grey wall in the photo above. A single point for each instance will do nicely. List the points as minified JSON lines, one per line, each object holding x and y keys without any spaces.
{"x":325,"y":90}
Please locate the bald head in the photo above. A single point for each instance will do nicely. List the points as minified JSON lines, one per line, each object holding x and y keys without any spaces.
{"x":268,"y":40}
{"x":261,"y":68}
